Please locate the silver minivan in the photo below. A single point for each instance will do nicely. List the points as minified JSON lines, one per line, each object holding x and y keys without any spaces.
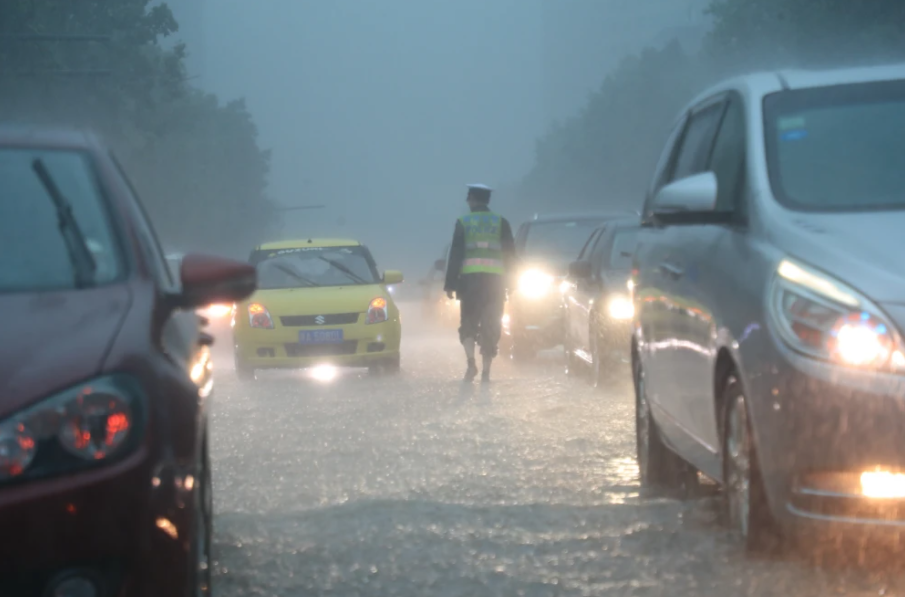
{"x":769,"y":292}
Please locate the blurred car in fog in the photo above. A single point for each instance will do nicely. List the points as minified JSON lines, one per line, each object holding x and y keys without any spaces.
{"x":545,"y":246}
{"x":598,"y":308}
{"x":436,"y":307}
{"x":319,"y":302}
{"x":770,"y":299}
{"x":105,"y":484}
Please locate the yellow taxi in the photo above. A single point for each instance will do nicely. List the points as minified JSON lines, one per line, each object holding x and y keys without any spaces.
{"x":319,"y":302}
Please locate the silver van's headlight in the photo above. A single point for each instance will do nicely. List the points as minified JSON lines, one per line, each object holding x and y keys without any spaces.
{"x":827,"y":319}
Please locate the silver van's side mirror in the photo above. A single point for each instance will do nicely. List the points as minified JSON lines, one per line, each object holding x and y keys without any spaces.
{"x":696,"y":193}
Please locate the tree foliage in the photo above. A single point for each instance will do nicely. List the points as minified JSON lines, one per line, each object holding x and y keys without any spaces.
{"x":604,"y":156}
{"x":195,"y":161}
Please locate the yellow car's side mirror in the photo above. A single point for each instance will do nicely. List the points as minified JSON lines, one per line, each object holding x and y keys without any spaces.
{"x":392,"y":277}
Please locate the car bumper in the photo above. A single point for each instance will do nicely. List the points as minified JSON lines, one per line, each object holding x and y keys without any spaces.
{"x":362,"y":345}
{"x":538,"y":322}
{"x":818,"y":428}
{"x":104,"y":525}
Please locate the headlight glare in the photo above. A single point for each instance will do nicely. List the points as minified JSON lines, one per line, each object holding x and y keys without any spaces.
{"x":217,"y":310}
{"x":861,"y":341}
{"x":534,"y":283}
{"x":826,"y":319}
{"x":621,"y":308}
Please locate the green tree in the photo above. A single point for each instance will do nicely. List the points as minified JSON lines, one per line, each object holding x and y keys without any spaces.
{"x":603,"y":156}
{"x":195,"y":161}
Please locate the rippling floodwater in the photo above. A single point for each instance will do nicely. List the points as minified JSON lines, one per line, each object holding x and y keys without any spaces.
{"x":412,"y":487}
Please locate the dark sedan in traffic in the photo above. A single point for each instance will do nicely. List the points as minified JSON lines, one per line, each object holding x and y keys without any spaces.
{"x":105,"y":485}
{"x":544,"y":246}
{"x":597,"y":302}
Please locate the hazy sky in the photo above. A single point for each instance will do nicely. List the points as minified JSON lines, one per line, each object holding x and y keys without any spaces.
{"x":385,"y":109}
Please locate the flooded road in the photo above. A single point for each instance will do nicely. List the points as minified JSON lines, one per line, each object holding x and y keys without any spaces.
{"x":411,"y":487}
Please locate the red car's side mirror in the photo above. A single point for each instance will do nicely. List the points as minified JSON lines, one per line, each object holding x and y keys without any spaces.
{"x":208,"y":279}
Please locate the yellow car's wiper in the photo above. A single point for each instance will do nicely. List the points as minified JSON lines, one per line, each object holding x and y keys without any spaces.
{"x":297,"y":276}
{"x":344,"y":270}
{"x":83,"y":263}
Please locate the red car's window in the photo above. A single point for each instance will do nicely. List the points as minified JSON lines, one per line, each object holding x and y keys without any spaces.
{"x":35,"y":253}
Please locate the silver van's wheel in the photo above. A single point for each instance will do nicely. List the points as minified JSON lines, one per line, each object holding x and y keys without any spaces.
{"x":746,"y":508}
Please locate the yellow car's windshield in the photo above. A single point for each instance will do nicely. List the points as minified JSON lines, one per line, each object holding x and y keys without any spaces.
{"x":306,"y":267}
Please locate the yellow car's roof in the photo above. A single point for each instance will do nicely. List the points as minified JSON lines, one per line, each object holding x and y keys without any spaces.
{"x":308,"y":242}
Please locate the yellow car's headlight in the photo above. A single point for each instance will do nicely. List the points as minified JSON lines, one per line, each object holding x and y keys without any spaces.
{"x":825,"y":318}
{"x":534,"y":283}
{"x":621,"y":307}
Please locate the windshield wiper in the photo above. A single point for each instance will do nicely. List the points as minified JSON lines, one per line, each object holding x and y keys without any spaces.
{"x":285,"y":268}
{"x":83,"y":263}
{"x":352,"y":275}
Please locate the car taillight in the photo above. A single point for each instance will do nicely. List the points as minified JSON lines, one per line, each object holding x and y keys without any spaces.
{"x":377,"y":310}
{"x":259,"y":317}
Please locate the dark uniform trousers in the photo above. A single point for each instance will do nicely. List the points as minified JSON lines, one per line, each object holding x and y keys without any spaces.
{"x":482,"y":297}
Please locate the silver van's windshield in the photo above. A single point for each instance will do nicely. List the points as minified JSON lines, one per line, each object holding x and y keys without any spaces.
{"x":838,"y":148}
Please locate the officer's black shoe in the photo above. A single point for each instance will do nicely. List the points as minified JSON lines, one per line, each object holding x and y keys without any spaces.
{"x":472,"y":371}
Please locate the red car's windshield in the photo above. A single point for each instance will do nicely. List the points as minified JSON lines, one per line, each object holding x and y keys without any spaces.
{"x":33,"y":252}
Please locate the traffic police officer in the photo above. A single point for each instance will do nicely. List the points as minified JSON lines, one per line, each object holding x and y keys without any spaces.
{"x":480,"y":259}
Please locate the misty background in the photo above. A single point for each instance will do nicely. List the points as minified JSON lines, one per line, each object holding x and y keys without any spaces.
{"x":384,"y":111}
{"x":227,"y":112}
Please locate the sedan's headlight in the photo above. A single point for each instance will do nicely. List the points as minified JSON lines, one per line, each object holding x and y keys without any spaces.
{"x":75,"y":429}
{"x":827,"y":319}
{"x":534,"y":283}
{"x":621,"y":307}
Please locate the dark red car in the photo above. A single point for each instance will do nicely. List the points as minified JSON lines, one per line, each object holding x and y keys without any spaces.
{"x":105,"y":380}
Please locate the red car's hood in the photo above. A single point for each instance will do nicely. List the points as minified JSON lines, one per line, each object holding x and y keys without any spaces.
{"x":50,"y":340}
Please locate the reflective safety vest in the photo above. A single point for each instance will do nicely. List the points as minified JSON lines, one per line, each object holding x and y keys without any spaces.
{"x":483,"y":243}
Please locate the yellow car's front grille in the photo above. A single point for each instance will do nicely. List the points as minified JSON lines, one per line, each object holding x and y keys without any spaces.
{"x":321,"y":350}
{"x":316,"y":320}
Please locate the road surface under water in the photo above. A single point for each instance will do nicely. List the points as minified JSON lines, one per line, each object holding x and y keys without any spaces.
{"x":412,"y":486}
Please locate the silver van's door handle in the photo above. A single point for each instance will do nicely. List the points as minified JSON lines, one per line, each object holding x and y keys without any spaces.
{"x":669,"y":269}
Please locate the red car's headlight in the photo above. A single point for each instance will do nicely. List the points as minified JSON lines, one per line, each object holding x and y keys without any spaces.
{"x":81,"y":427}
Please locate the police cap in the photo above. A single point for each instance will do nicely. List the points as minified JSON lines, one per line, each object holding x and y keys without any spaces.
{"x":479,"y":192}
